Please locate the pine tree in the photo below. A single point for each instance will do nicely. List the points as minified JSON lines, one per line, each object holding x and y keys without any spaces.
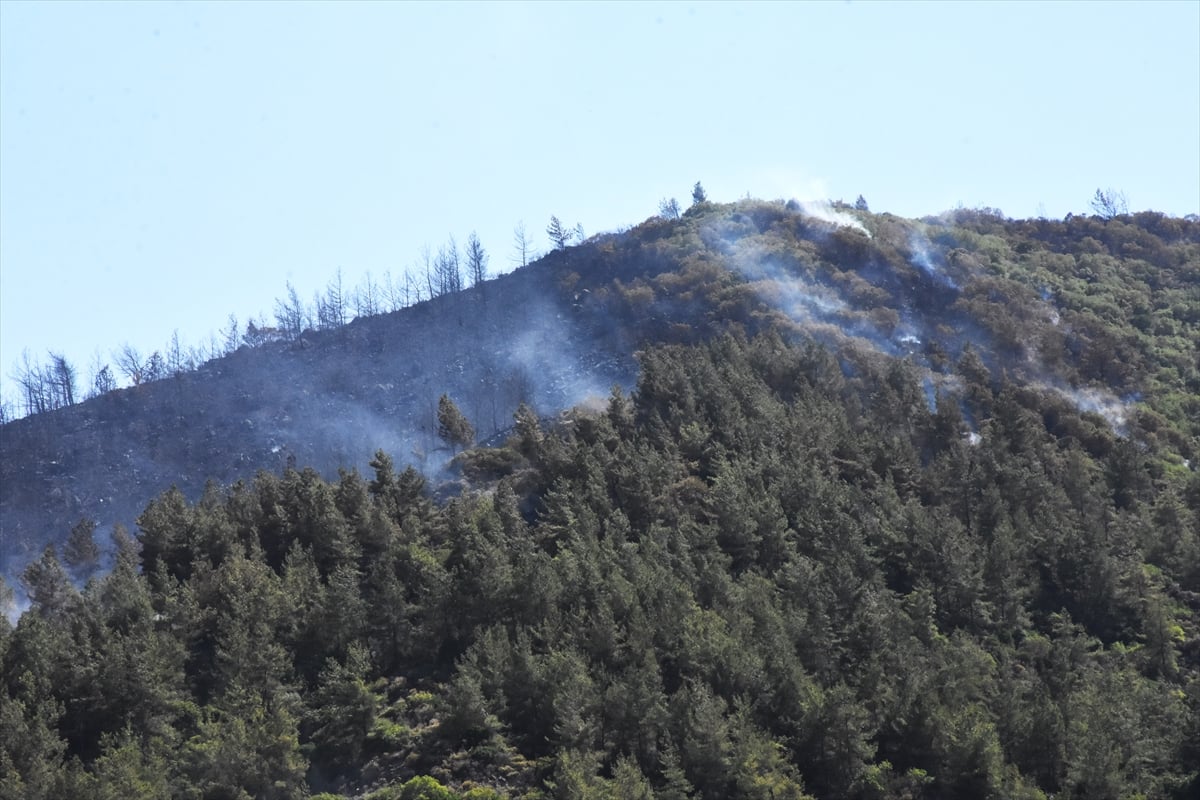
{"x":453,"y":427}
{"x":560,"y":235}
{"x":81,"y":554}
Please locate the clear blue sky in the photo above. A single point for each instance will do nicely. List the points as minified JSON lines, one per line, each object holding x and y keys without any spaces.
{"x":165,"y":164}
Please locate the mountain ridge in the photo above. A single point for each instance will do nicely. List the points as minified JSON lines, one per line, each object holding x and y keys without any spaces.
{"x":897,"y":509}
{"x":923,"y":290}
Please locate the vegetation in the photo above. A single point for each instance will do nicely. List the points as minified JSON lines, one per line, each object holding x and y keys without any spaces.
{"x":898,"y":509}
{"x":757,"y":577}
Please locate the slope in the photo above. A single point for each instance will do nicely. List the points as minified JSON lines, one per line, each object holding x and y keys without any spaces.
{"x":1102,"y":314}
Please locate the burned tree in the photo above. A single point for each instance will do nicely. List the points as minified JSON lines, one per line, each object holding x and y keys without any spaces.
{"x":523,"y":251}
{"x":476,"y":260}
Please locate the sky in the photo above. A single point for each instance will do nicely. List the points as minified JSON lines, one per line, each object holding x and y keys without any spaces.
{"x":163,"y":165}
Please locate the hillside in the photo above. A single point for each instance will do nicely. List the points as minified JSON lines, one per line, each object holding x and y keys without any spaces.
{"x":897,"y":509}
{"x":326,"y":400}
{"x":1104,"y":313}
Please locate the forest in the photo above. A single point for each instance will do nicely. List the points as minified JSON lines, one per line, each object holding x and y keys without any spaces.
{"x":895,"y":510}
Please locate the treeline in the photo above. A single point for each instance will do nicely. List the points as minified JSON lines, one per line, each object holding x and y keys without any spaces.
{"x":57,"y":383}
{"x":774,"y":572}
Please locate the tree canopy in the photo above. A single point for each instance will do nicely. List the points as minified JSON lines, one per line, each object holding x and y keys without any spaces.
{"x":762,"y":575}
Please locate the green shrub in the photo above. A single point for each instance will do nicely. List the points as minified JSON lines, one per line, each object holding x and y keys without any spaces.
{"x":425,"y":788}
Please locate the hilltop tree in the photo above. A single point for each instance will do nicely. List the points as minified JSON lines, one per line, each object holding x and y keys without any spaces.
{"x":447,"y":269}
{"x":231,"y":337}
{"x":331,"y":306}
{"x":32,"y":379}
{"x":453,"y":427}
{"x":476,"y":260}
{"x":522,"y":246}
{"x":1109,"y":204}
{"x":45,"y":387}
{"x":103,"y":381}
{"x":368,"y":298}
{"x":560,"y":236}
{"x":861,"y":204}
{"x":668,"y":208}
{"x":698,"y":194}
{"x":130,"y":362}
{"x":290,"y":313}
{"x":63,"y":379}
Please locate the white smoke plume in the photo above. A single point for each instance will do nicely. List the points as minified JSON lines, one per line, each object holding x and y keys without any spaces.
{"x":923,"y":259}
{"x":824,"y":211}
{"x":791,"y":294}
{"x":15,"y":607}
{"x":1098,"y":401}
{"x":811,"y":195}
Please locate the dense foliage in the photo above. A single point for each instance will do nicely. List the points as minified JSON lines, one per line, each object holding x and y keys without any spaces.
{"x":1074,"y":305}
{"x":898,"y":509}
{"x":772,"y":572}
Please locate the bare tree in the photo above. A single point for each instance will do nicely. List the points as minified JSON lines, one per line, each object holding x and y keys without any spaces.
{"x":45,"y":387}
{"x":213,"y":350}
{"x":231,"y":335}
{"x":179,"y":358}
{"x":476,"y":260}
{"x":103,"y":381}
{"x":331,"y":307}
{"x":30,"y":376}
{"x":668,"y":209}
{"x":156,"y":367}
{"x":412,"y":289}
{"x":367,"y":298}
{"x":62,"y":379}
{"x":447,"y":269}
{"x":522,"y":246}
{"x":391,"y":293}
{"x":1109,"y":204}
{"x":290,"y":313}
{"x":129,"y":361}
{"x":427,"y":270}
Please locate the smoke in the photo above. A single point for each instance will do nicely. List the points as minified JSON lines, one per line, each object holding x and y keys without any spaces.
{"x":820,"y":309}
{"x":1098,"y":401}
{"x":822,"y":312}
{"x":556,"y":370}
{"x":811,"y":195}
{"x":1046,"y":295}
{"x":15,"y":607}
{"x":825,"y":212}
{"x":930,"y":391}
{"x":923,"y":259}
{"x":800,"y":299}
